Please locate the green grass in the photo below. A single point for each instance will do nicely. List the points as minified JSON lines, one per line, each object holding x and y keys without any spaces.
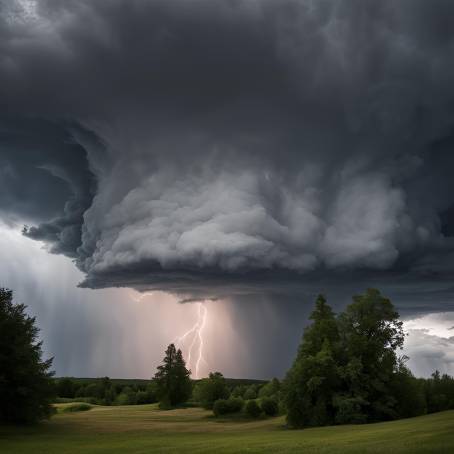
{"x":145,"y":429}
{"x":80,"y":406}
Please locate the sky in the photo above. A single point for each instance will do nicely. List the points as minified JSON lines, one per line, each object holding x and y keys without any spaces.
{"x":198,"y":171}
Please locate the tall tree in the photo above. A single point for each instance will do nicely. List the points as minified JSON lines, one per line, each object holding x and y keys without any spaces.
{"x":26,"y":386}
{"x":173,"y":379}
{"x":312,"y":381}
{"x":371,"y":333}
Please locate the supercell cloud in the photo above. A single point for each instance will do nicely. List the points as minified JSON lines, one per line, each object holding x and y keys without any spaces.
{"x":224,"y":147}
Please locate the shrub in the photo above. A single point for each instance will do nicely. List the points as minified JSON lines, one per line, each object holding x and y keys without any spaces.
{"x":209,"y":390}
{"x":252,"y":409}
{"x":250,"y":393}
{"x":226,"y":406}
{"x":236,"y":404}
{"x":221,"y":407}
{"x":77,"y":407}
{"x":143,"y":397}
{"x":269,"y":406}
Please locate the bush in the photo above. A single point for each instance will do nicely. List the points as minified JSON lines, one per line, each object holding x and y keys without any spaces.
{"x":77,"y":407}
{"x":221,"y":407}
{"x":236,"y":404}
{"x":252,"y":409}
{"x":250,"y":393}
{"x":226,"y":406}
{"x":126,"y":397}
{"x":209,"y":390}
{"x":144,"y":397}
{"x":269,"y":406}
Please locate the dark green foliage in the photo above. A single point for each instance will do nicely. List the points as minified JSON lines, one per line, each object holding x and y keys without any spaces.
{"x":346,"y":369}
{"x":408,"y":392}
{"x":238,"y":391}
{"x":439,"y":391}
{"x":66,"y":388}
{"x":371,"y":333}
{"x":77,"y":407}
{"x":270,"y":389}
{"x":210,"y":389}
{"x":250,"y":393}
{"x":252,"y":409}
{"x":26,"y":386}
{"x":269,"y":406}
{"x":313,"y":380}
{"x":226,"y":406}
{"x":126,"y":397}
{"x":173,"y":385}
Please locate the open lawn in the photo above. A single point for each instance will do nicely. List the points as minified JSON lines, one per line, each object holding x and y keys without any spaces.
{"x":145,"y":429}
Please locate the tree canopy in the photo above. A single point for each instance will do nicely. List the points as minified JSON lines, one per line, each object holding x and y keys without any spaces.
{"x":26,"y":386}
{"x":346,"y":369}
{"x":172,"y":378}
{"x":210,"y":389}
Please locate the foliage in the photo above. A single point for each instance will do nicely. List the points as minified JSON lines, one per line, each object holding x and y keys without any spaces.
{"x":252,"y":409}
{"x":210,"y":389}
{"x":250,"y":393}
{"x":26,"y":386}
{"x":270,"y":389}
{"x":226,"y":406}
{"x":127,"y":397}
{"x":173,"y":384}
{"x":77,"y":407}
{"x":346,"y":369}
{"x":312,"y":381}
{"x":269,"y":406}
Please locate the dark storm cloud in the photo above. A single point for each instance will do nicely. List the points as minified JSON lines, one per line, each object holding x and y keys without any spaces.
{"x":242,"y":146}
{"x":45,"y":176}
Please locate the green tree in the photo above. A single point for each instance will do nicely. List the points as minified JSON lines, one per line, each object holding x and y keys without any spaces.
{"x":270,"y":389}
{"x":173,"y":384}
{"x":408,"y":392}
{"x":26,"y":385}
{"x":252,"y":409}
{"x":269,"y":406}
{"x":210,"y":389}
{"x":66,"y":388}
{"x":251,"y":392}
{"x":371,"y":333}
{"x":312,"y":382}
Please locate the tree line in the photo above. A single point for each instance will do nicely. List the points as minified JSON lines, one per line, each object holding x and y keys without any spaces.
{"x":347,"y":370}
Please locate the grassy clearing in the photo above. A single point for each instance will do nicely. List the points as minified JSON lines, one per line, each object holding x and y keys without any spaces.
{"x":143,"y":429}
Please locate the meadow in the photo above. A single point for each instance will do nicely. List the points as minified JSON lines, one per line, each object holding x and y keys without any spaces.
{"x":145,"y":428}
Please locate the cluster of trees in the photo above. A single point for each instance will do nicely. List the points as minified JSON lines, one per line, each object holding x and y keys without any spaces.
{"x":105,"y":391}
{"x":347,"y":369}
{"x":253,"y":400}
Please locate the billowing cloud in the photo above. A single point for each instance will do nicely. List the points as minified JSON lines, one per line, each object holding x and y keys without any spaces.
{"x":236,"y":147}
{"x":430,"y":343}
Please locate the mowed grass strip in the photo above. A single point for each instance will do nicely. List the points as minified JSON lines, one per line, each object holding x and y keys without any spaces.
{"x":144,"y":429}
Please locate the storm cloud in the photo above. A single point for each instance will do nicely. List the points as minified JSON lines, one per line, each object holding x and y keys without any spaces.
{"x":224,"y":148}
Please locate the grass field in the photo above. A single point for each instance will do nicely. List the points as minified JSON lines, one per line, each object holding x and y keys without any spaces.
{"x":145,"y":429}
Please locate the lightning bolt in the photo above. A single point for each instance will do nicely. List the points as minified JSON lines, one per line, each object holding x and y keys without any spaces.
{"x":195,"y":336}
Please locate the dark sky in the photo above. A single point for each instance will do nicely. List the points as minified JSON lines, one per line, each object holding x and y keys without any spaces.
{"x":235,"y":150}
